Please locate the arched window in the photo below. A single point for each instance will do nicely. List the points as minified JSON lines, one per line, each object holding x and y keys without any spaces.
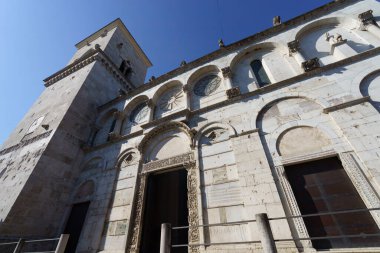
{"x":111,"y":129}
{"x":125,"y":68}
{"x":259,"y":72}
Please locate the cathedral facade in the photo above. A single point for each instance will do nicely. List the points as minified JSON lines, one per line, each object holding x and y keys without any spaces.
{"x":285,"y":122}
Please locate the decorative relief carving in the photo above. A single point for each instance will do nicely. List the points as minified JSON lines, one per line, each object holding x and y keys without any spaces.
{"x":294,"y":46}
{"x":169,"y":162}
{"x":233,"y":92}
{"x":133,"y":246}
{"x":187,"y":161}
{"x":192,"y":205}
{"x":311,"y":64}
{"x":227,"y":73}
{"x":293,"y":206}
{"x":361,"y":183}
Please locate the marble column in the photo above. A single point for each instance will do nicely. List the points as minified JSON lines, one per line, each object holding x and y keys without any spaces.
{"x":294,"y":51}
{"x":119,"y":117}
{"x":187,"y":97}
{"x":151,"y":110}
{"x":227,"y":74}
{"x":230,"y":90}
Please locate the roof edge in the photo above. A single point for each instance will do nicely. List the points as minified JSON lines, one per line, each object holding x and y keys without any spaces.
{"x":116,"y":23}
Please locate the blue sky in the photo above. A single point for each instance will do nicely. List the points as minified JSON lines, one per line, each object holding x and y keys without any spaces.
{"x":38,"y":37}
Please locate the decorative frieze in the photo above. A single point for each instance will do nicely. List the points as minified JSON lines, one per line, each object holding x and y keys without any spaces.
{"x":311,"y":64}
{"x":96,"y":55}
{"x":175,"y":161}
{"x":233,"y":92}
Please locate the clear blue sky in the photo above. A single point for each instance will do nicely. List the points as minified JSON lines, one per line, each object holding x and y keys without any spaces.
{"x":38,"y":37}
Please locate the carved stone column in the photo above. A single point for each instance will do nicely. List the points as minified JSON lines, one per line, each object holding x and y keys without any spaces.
{"x":299,"y":226}
{"x":134,"y":243}
{"x":192,"y":205}
{"x":294,"y":50}
{"x":230,"y":90}
{"x":151,"y":110}
{"x":116,"y":133}
{"x":186,"y":94}
{"x":368,"y":23}
{"x":360,"y":181}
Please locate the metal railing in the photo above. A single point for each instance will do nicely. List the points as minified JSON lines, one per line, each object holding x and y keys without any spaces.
{"x":267,"y":240}
{"x":22,"y":245}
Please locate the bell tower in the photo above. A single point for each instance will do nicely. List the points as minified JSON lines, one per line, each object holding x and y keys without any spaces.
{"x":39,"y":160}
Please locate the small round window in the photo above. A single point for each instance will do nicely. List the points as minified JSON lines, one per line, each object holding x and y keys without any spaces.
{"x":207,"y":85}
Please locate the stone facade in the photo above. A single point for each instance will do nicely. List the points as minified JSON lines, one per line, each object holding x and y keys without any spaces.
{"x":98,"y":132}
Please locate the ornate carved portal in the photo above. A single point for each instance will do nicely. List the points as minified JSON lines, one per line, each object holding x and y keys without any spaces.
{"x":186,"y":161}
{"x":355,"y":173}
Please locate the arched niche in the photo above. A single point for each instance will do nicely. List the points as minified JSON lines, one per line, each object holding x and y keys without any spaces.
{"x":136,"y":112}
{"x":168,"y":99}
{"x":317,"y":37}
{"x":287,"y":109}
{"x":370,"y":86}
{"x":104,"y":124}
{"x":205,"y":86}
{"x":302,"y":140}
{"x":168,"y":140}
{"x":274,"y":60}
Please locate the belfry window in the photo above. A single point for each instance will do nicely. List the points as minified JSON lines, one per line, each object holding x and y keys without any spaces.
{"x":125,"y":68}
{"x":259,"y":72}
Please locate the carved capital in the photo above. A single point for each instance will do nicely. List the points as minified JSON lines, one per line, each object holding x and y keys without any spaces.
{"x":366,"y":18}
{"x":227,"y":73}
{"x":294,"y":46}
{"x":311,"y":64}
{"x":233,"y":92}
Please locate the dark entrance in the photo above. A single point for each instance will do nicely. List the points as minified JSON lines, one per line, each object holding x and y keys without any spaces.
{"x":324,"y":186}
{"x":75,"y":224}
{"x":166,"y":202}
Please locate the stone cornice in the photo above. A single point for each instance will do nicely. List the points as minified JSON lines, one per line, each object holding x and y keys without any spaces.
{"x":25,"y":143}
{"x":116,"y":23}
{"x":346,"y":104}
{"x":96,"y":55}
{"x":313,"y":14}
{"x":271,"y":87}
